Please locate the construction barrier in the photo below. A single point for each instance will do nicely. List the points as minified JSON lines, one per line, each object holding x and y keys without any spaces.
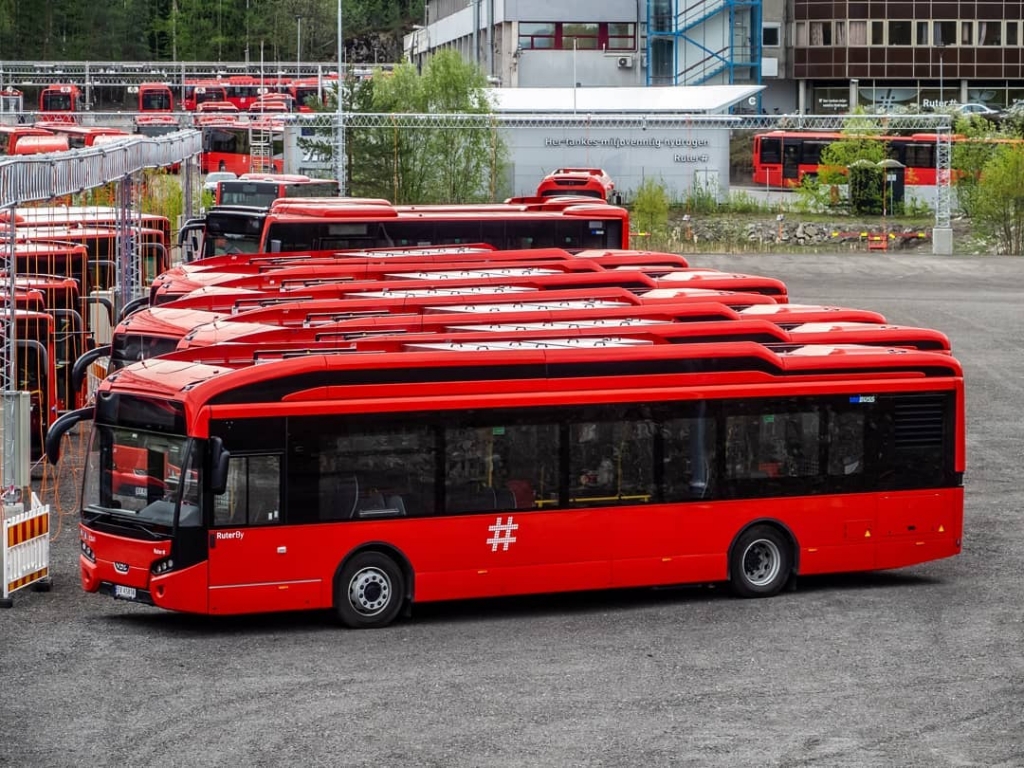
{"x":25,"y":553}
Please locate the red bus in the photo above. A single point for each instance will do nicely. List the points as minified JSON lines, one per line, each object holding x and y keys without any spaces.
{"x":366,"y":265}
{"x":80,"y":136}
{"x":578,"y":182}
{"x":369,"y":483}
{"x":232,"y":145}
{"x":155,"y":98}
{"x":259,"y":190}
{"x":35,"y":363}
{"x":200,"y":91}
{"x":60,"y":101}
{"x":294,"y":225}
{"x":305,"y":91}
{"x":353,"y":278}
{"x":26,"y":140}
{"x":155,"y":124}
{"x":213,"y":316}
{"x":784,"y":158}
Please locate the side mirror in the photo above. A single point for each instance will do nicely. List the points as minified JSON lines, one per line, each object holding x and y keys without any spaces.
{"x":219,"y":459}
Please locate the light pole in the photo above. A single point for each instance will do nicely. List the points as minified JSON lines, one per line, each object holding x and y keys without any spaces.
{"x":942,"y":95}
{"x":339,"y":146}
{"x":298,"y":45}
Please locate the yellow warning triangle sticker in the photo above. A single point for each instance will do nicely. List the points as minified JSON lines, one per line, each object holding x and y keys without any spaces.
{"x":942,"y":529}
{"x":867,"y":534}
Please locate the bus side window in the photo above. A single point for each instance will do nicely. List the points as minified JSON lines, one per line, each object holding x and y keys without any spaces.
{"x":253,"y":495}
{"x":689,"y":458}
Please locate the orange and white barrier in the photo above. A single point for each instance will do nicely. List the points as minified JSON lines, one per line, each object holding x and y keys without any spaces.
{"x":25,"y":550}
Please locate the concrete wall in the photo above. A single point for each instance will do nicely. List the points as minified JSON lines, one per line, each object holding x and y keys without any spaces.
{"x":676,"y":157}
{"x":554,"y":69}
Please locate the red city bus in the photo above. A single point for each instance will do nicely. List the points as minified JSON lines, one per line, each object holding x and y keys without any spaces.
{"x":259,"y":190}
{"x":578,"y":182}
{"x":784,"y":158}
{"x":35,"y":361}
{"x":213,"y":316}
{"x":352,"y":278}
{"x":155,"y":98}
{"x":155,"y":124}
{"x":157,"y":330}
{"x":228,"y":145}
{"x":60,"y":102}
{"x":337,"y":224}
{"x":369,"y":483}
{"x":201,"y":91}
{"x":80,"y":136}
{"x":373,"y":265}
{"x":12,"y":135}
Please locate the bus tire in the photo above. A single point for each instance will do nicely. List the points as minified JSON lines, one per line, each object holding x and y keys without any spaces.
{"x":369,"y":591}
{"x":760,"y":562}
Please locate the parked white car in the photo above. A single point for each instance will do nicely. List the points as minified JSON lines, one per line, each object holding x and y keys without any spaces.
{"x":212,"y":179}
{"x":978,"y":109}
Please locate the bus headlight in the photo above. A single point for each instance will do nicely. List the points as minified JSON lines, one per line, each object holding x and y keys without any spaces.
{"x":89,"y":554}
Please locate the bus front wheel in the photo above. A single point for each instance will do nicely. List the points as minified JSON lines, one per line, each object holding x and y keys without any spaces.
{"x":369,"y":591}
{"x":760,"y":563}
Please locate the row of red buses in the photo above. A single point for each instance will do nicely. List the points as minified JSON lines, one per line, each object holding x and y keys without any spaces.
{"x":578,"y":182}
{"x":293,"y":225}
{"x":368,"y":483}
{"x":785,"y":158}
{"x":245,"y":90}
{"x":260,"y":190}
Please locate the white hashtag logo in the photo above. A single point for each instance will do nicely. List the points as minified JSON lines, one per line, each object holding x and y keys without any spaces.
{"x":503,"y":534}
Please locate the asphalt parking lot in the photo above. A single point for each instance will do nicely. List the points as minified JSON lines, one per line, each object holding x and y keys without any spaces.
{"x":919,"y":667}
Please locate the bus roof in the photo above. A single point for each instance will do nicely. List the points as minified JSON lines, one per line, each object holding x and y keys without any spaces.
{"x":194,"y":379}
{"x":362,"y":336}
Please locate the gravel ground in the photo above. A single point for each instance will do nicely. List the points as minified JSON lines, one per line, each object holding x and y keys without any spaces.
{"x":919,"y":667}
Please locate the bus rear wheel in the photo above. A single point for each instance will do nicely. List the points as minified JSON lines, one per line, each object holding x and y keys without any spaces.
{"x":760,"y":562}
{"x":369,"y":591}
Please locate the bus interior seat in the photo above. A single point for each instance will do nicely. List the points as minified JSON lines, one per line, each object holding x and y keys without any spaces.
{"x":342,"y":498}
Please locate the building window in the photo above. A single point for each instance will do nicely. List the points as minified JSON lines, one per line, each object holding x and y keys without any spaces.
{"x":966,"y":33}
{"x":858,"y":33}
{"x":821,"y":33}
{"x":989,"y":33}
{"x":801,"y":34}
{"x":620,"y":37}
{"x":899,"y":33}
{"x":944,"y":33}
{"x":1011,"y":33}
{"x":878,"y":33}
{"x":841,"y":33}
{"x":922,"y":33}
{"x":771,"y":36}
{"x":533,"y":35}
{"x":580,"y":36}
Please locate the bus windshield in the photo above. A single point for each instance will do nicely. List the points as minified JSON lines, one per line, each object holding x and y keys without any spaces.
{"x":135,"y":474}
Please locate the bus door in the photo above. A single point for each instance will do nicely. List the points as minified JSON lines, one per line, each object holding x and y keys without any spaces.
{"x":256,"y":562}
{"x":791,"y":161}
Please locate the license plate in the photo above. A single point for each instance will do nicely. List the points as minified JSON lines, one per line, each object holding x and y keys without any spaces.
{"x":124,"y":593}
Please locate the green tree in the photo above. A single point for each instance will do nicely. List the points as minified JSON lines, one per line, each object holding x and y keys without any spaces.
{"x":999,"y":198}
{"x":969,"y":157}
{"x":447,"y":163}
{"x":650,"y":209}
